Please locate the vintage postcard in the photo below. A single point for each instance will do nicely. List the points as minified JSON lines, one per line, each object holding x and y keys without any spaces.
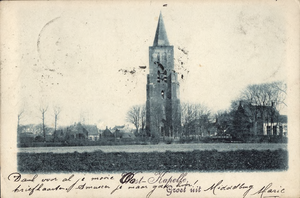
{"x":150,"y":99}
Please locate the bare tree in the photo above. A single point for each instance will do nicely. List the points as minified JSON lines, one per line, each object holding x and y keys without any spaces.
{"x":279,"y":93}
{"x":133,"y":116}
{"x":43,"y":110}
{"x":137,"y":116}
{"x":195,"y":118}
{"x":266,"y":94}
{"x":56,"y":111}
{"x":188,"y":116}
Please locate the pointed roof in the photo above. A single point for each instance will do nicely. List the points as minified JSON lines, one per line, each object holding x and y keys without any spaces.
{"x":161,"y":38}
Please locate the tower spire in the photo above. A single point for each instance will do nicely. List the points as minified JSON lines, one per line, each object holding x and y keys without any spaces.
{"x":161,"y":38}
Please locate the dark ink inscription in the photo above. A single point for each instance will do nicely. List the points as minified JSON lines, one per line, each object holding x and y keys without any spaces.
{"x":173,"y":185}
{"x":68,"y":179}
{"x":162,"y":179}
{"x":129,"y":178}
{"x":32,"y":184}
{"x":268,"y":189}
{"x":102,"y":178}
{"x":171,"y":189}
{"x":154,"y":187}
{"x":17,"y":177}
{"x":117,"y":188}
{"x":219,"y":186}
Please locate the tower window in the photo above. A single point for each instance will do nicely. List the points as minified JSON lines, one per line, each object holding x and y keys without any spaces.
{"x":158,"y":76}
{"x":162,"y":94}
{"x":165,"y":76}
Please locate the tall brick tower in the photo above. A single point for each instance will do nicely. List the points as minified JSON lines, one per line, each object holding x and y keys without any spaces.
{"x":163,"y":112}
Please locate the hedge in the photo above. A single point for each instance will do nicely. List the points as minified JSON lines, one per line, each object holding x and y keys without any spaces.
{"x":203,"y":161}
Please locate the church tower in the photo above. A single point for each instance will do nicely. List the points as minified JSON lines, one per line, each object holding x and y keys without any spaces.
{"x":163,"y":113}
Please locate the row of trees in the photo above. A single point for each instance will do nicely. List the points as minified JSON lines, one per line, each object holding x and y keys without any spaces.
{"x":191,"y":115}
{"x":43,"y":110}
{"x":197,"y":119}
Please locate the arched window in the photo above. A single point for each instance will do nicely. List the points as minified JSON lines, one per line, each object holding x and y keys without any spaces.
{"x":165,"y":76}
{"x":162,"y":94}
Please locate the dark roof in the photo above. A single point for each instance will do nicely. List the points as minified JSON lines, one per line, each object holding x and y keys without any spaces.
{"x":77,"y":128}
{"x":92,"y":129}
{"x":118,"y":127}
{"x":248,"y":107}
{"x":161,"y":38}
{"x":107,"y":133}
{"x":283,"y":118}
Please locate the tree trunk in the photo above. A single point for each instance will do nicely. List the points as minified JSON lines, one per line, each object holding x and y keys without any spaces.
{"x":44,"y":132}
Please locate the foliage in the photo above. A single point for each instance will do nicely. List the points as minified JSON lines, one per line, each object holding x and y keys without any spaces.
{"x":39,"y":138}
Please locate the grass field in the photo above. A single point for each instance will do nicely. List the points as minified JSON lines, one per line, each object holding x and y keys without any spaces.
{"x":203,"y":161}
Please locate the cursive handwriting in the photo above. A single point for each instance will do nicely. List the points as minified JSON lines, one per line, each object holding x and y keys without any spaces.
{"x":179,"y":184}
{"x":161,"y":178}
{"x":220,"y":187}
{"x":268,"y":189}
{"x":47,"y":184}
{"x":17,"y":177}
{"x":129,"y":178}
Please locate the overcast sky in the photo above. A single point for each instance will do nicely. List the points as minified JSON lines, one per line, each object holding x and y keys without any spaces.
{"x":74,"y":55}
